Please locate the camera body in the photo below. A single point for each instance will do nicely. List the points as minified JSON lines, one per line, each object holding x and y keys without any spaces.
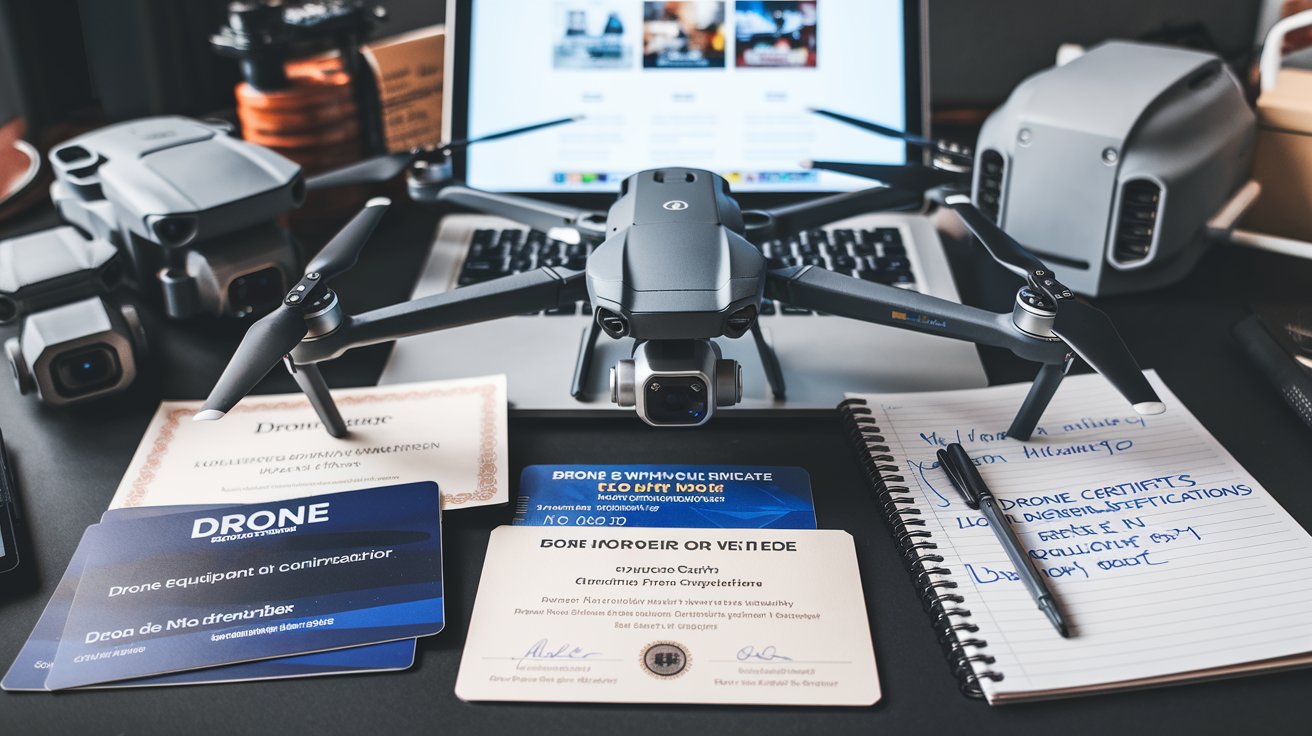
{"x":73,"y":345}
{"x":191,"y":207}
{"x":676,"y":383}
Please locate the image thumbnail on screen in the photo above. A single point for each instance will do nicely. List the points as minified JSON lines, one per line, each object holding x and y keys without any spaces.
{"x":590,"y":35}
{"x":683,"y":35}
{"x":775,"y":33}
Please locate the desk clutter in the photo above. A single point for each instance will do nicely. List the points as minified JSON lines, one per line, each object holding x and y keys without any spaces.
{"x":1067,"y":536}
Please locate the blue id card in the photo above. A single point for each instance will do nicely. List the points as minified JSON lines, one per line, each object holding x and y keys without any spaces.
{"x":29,"y":669}
{"x":216,"y":587}
{"x":679,"y":496}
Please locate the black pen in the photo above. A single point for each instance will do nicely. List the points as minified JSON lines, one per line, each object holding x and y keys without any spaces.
{"x":966,"y":479}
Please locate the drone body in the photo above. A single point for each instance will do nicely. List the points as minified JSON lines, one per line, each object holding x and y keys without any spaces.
{"x":190,"y":206}
{"x":677,"y":267}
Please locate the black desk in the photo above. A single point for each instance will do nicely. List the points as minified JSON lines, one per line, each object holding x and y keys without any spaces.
{"x":70,"y":462}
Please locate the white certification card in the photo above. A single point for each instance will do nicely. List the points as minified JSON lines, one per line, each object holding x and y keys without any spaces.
{"x":613,"y":615}
{"x":272,"y":448}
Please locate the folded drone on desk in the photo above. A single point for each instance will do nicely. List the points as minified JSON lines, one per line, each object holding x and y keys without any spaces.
{"x":677,"y":265}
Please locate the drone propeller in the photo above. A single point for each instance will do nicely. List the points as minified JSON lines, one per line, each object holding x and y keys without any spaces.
{"x":274,"y":336}
{"x":1086,"y":329}
{"x":937,"y":147}
{"x":911,"y":177}
{"x":384,"y":168}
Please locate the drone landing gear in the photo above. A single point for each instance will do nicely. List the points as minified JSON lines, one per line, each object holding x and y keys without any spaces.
{"x":774,"y":374}
{"x":1036,"y":401}
{"x":311,"y":382}
{"x":583,"y":364}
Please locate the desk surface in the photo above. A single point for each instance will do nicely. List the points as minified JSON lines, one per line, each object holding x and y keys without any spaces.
{"x":70,"y":462}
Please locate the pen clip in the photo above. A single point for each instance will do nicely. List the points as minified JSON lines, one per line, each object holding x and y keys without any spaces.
{"x":949,"y":465}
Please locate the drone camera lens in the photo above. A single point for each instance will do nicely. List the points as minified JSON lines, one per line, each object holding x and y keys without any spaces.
{"x":174,"y":231}
{"x":256,"y":292}
{"x":84,"y":370}
{"x":676,"y":400}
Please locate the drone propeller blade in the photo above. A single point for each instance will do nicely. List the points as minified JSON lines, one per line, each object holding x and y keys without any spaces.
{"x":375,"y":170}
{"x":1091,"y":334}
{"x":884,"y":130}
{"x":535,"y":213}
{"x":341,"y":253}
{"x":507,"y":133}
{"x":265,"y":343}
{"x":910,"y":177}
{"x":1000,"y":245}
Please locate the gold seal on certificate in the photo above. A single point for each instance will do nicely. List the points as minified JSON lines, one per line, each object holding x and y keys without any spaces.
{"x":270,"y":448}
{"x":621,"y":615}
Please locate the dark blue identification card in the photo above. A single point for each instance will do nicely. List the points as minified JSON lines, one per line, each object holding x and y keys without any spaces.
{"x":30,"y":667}
{"x":679,"y":496}
{"x":208,"y":588}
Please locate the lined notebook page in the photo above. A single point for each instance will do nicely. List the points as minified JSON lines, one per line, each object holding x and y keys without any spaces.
{"x":1166,"y":556}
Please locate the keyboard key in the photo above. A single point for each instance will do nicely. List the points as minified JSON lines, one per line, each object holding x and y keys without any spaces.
{"x":767,"y":307}
{"x":813,"y":261}
{"x":804,"y":249}
{"x":844,"y":236}
{"x":842,"y":262}
{"x":520,"y":264}
{"x":790,"y":309}
{"x":835,"y":249}
{"x":893,"y":263}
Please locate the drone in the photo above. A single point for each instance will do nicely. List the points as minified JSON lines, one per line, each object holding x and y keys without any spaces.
{"x":678,"y":265}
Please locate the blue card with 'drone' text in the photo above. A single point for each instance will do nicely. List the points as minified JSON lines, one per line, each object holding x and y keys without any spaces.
{"x":30,"y":667}
{"x":214,"y":587}
{"x":672,"y":496}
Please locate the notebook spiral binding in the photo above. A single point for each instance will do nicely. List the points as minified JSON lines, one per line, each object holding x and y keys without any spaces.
{"x":947,"y":610}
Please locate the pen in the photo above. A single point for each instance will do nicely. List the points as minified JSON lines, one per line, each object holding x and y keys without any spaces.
{"x":966,"y":479}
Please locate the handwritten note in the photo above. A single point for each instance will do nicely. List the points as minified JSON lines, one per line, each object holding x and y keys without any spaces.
{"x":1166,"y":555}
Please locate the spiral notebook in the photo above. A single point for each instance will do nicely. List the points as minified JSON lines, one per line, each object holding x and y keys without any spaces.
{"x":1170,"y":561}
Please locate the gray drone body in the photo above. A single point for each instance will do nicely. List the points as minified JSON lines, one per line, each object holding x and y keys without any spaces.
{"x":675,"y":272}
{"x":676,"y":264}
{"x":1111,"y":165}
{"x":189,"y":205}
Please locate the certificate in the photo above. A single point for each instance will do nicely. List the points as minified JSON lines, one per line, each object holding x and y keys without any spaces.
{"x":623,"y":615}
{"x":273,"y":448}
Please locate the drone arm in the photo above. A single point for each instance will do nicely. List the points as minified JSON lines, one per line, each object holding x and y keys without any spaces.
{"x":522,"y":293}
{"x":762,"y":225}
{"x":532,"y":212}
{"x":845,"y":296}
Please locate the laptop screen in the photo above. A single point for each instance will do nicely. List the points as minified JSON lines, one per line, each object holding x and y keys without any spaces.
{"x":716,"y":84}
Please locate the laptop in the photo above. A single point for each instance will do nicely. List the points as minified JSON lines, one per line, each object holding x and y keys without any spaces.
{"x":722,"y":85}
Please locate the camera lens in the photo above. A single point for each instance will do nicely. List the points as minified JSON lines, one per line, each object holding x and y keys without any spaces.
{"x":256,"y":292}
{"x":676,"y":399}
{"x":81,"y":371}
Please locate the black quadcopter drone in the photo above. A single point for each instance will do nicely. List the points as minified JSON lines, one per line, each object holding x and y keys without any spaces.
{"x":677,"y":265}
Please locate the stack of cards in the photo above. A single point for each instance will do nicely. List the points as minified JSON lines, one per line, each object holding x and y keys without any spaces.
{"x":186,"y":595}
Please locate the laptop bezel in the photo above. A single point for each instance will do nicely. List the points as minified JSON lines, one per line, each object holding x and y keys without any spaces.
{"x":456,"y":102}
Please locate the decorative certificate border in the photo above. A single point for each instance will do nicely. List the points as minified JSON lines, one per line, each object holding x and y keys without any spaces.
{"x":487,"y":436}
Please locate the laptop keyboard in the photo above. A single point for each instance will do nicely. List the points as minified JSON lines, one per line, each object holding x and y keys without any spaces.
{"x":875,"y":255}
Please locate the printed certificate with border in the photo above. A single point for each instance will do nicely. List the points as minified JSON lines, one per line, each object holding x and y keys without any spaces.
{"x":271,"y":448}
